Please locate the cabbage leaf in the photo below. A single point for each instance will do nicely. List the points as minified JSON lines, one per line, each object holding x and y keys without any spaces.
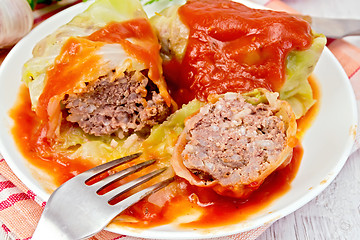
{"x":299,"y":66}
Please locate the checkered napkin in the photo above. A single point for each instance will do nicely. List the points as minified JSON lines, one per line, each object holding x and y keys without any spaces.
{"x":20,"y":208}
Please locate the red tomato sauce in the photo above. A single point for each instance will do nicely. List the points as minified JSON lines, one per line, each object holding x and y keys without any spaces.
{"x":30,"y":135}
{"x":231,"y":48}
{"x":65,"y":73}
{"x":141,"y":31}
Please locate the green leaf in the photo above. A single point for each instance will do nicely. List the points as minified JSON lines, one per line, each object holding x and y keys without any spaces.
{"x":32,"y":3}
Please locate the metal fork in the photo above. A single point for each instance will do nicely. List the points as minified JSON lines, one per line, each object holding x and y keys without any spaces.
{"x":75,"y":210}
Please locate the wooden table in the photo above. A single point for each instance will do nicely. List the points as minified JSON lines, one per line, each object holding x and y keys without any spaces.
{"x":335,"y":213}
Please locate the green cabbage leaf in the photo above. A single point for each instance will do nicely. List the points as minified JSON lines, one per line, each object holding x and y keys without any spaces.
{"x":299,"y":66}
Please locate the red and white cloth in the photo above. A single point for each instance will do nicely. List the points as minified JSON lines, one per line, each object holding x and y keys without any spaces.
{"x":20,"y":208}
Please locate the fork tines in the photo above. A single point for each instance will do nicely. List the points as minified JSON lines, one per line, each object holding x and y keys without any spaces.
{"x":120,"y":190}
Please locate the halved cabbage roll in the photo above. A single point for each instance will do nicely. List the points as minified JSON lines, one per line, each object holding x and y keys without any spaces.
{"x":235,"y":141}
{"x":219,"y":46}
{"x":102,"y":71}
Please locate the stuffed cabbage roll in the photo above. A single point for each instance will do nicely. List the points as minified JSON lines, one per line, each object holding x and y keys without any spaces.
{"x":101,"y":71}
{"x":212,"y":47}
{"x":235,"y":141}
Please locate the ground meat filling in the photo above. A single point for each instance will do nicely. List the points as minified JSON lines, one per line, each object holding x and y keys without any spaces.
{"x":122,"y":106}
{"x":233,"y":141}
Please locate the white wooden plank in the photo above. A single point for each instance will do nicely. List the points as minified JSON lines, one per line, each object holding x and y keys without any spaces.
{"x":334,"y":214}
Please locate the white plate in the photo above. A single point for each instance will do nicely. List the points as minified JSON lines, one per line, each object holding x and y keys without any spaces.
{"x":326,"y":144}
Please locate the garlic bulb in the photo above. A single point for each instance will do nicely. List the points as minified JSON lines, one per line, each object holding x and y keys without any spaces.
{"x":16,"y":20}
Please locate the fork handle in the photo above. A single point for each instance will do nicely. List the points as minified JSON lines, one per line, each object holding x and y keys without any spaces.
{"x":46,"y":230}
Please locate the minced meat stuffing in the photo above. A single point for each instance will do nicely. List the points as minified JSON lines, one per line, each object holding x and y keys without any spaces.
{"x":121,"y":106}
{"x":233,"y":141}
